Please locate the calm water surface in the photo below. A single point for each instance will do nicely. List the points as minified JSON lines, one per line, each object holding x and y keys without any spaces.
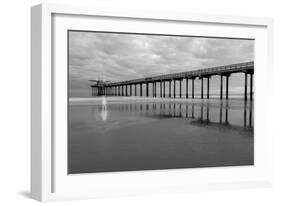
{"x":125,"y":134}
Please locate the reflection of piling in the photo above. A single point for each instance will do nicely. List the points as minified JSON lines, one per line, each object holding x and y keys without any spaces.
{"x":245,"y":114}
{"x":180,"y":110}
{"x":201,"y":112}
{"x":220,"y":113}
{"x":226,"y":113}
{"x":192,"y":111}
{"x":250,"y":117}
{"x":207,"y":112}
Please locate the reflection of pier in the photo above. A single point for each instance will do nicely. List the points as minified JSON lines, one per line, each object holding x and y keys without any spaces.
{"x":125,"y":88}
{"x":202,"y":114}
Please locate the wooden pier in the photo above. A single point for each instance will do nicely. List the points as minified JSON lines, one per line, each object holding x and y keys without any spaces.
{"x":125,"y":88}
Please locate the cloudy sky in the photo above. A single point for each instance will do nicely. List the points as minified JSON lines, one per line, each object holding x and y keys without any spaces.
{"x":117,"y":57}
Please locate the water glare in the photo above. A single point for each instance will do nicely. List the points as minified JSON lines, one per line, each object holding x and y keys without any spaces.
{"x":103,"y":112}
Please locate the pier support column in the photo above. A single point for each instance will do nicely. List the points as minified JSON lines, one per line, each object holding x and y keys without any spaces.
{"x":153,"y":89}
{"x":186,"y":88}
{"x":161,"y":89}
{"x":245,"y":90}
{"x":251,"y":86}
{"x":192,"y":88}
{"x":170,"y":88}
{"x":164,"y":85}
{"x":180,"y":88}
{"x":226,"y":95}
{"x":174,"y":88}
{"x":221,"y":92}
{"x":245,"y":114}
{"x":126,"y":90}
{"x":122,"y":90}
{"x":130,"y":90}
{"x":202,"y":88}
{"x":208,"y":87}
{"x":141,"y":89}
{"x":155,"y":85}
{"x":135,"y":89}
{"x":92,"y":91}
{"x":147,"y":89}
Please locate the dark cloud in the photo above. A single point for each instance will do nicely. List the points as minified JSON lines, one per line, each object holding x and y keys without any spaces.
{"x":116,"y":57}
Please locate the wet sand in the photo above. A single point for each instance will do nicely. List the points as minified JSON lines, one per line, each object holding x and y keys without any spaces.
{"x":127,"y":134}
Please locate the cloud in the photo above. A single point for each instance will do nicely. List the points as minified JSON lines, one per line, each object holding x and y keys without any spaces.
{"x":117,"y":57}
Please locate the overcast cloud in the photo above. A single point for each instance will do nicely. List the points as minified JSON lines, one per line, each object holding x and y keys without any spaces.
{"x":117,"y":57}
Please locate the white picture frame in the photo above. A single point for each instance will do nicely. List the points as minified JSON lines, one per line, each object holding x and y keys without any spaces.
{"x":47,"y":176}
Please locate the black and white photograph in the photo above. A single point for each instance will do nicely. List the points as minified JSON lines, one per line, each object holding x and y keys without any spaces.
{"x":141,"y":101}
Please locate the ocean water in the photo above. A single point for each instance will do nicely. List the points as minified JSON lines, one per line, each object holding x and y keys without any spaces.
{"x":108,"y":134}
